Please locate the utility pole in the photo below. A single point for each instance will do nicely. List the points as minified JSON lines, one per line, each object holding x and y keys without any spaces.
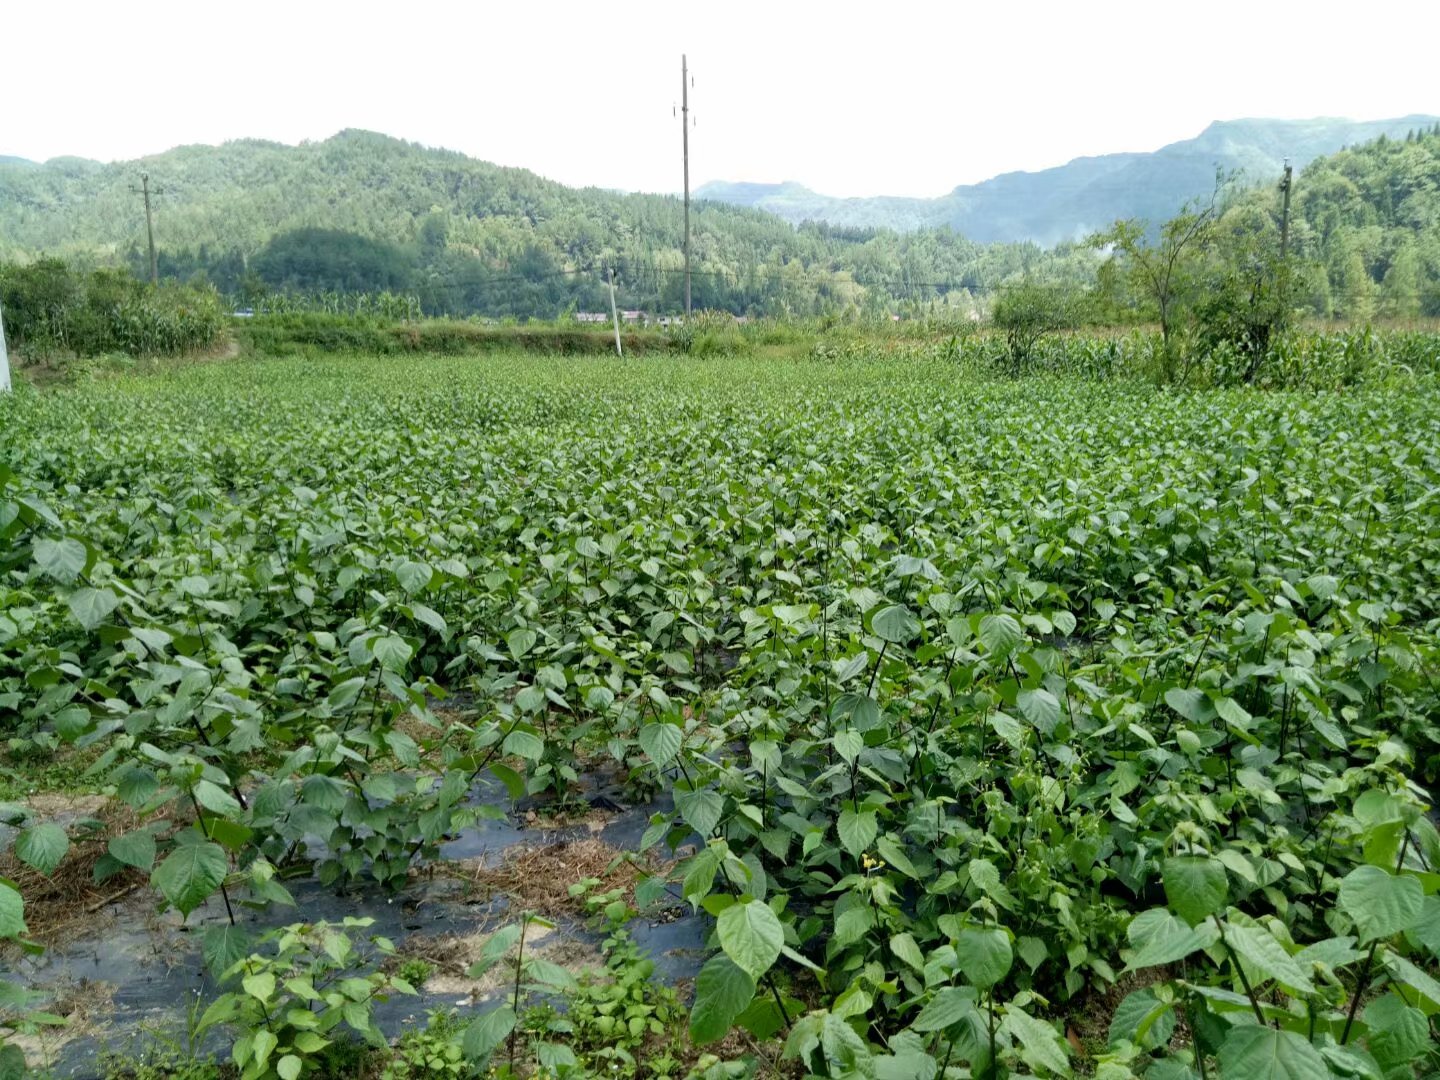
{"x":685,"y":137}
{"x":614,"y":312}
{"x":4,"y":358}
{"x":1285,"y":186}
{"x":144,"y":190}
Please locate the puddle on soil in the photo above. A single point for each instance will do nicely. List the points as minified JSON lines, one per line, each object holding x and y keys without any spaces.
{"x":152,"y":967}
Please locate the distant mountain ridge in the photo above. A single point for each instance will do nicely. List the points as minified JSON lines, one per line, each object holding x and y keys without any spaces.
{"x":1068,"y":201}
{"x":364,"y":212}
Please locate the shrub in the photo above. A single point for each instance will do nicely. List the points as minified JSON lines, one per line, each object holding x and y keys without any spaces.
{"x":1026,"y":313}
{"x":53,"y":310}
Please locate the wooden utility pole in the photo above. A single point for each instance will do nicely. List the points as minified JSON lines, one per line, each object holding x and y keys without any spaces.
{"x":685,"y":139}
{"x":144,"y":190}
{"x":614,"y":312}
{"x":1285,"y":186}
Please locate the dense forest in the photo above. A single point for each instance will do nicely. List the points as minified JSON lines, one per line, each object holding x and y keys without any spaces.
{"x":1368,"y":220}
{"x":363,"y":213}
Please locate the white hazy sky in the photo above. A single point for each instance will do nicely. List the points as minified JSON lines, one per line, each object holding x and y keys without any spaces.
{"x":850,"y":98}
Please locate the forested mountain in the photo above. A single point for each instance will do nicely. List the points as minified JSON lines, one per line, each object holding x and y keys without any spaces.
{"x":1088,"y":193}
{"x":364,"y":211}
{"x":1369,"y":217}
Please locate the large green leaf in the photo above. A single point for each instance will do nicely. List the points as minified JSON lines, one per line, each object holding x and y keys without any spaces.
{"x":907,"y":949}
{"x":722,"y":991}
{"x":513,"y":781}
{"x":906,"y":1065}
{"x":1001,"y":634}
{"x":13,"y":1065}
{"x":1269,"y":957}
{"x":1041,"y":708}
{"x":848,"y":744}
{"x":64,"y":560}
{"x":1041,"y":1046}
{"x":890,"y":850}
{"x":751,"y":936}
{"x":1262,"y":1053}
{"x":1160,"y":938}
{"x":1381,"y":903}
{"x":91,"y":607}
{"x":190,"y":873}
{"x":12,"y":912}
{"x":392,"y":651}
{"x":135,"y":849}
{"x":422,"y":613}
{"x":857,"y":831}
{"x":520,"y":641}
{"x":1143,"y":1019}
{"x":985,"y":875}
{"x":42,"y":846}
{"x":414,"y":577}
{"x":1421,"y":982}
{"x":1426,"y":929}
{"x":984,"y":955}
{"x":1195,"y":886}
{"x":524,"y":744}
{"x":487,"y":1032}
{"x":846,"y":1053}
{"x":1398,"y":1032}
{"x":1193,"y":705}
{"x":700,"y":809}
{"x":949,"y":1006}
{"x":895,"y":624}
{"x":223,"y":946}
{"x":661,"y":742}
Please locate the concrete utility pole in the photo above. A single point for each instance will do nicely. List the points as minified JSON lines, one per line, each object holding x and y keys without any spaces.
{"x":4,"y":358}
{"x":614,"y":313}
{"x":144,"y":190}
{"x":1285,"y":186}
{"x":685,"y":136}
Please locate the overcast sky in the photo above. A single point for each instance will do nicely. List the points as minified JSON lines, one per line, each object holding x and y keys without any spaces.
{"x":849,"y":98}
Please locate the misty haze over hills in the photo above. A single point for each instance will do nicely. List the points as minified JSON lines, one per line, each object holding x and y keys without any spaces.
{"x":1071,"y":200}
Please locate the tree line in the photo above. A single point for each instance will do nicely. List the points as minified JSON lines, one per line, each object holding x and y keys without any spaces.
{"x":1364,"y":234}
{"x":1364,"y":242}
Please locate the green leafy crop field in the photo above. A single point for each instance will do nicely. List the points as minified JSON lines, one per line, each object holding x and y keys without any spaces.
{"x":1039,"y":726}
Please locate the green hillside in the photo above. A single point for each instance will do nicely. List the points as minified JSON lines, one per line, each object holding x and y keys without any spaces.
{"x":1088,"y":193}
{"x":362,"y":210}
{"x":1370,"y":216}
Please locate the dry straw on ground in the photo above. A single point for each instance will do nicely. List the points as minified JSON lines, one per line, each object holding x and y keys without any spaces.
{"x":62,"y":905}
{"x":539,"y":877}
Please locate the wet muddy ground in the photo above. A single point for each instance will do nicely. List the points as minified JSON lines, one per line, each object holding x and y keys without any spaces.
{"x":135,"y":978}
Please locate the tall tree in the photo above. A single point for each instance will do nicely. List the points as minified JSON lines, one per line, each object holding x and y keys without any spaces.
{"x":1164,"y":264}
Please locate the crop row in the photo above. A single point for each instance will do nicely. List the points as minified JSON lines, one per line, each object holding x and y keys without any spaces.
{"x":982,"y":696}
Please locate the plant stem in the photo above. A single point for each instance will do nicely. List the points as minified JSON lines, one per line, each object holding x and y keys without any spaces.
{"x":1361,"y":983}
{"x":874,"y":675}
{"x":515,"y":998}
{"x":1240,"y":970}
